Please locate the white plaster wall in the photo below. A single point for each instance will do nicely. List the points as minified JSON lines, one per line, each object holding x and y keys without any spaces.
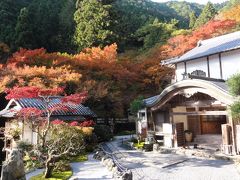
{"x":180,"y":118}
{"x":179,"y":71}
{"x":27,"y":133}
{"x":142,"y":121}
{"x":159,"y":120}
{"x":230,"y":63}
{"x":197,"y":64}
{"x":214,"y":66}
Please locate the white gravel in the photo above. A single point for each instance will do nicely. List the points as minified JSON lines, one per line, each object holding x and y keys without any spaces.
{"x":34,"y":173}
{"x":148,"y":166}
{"x":91,"y":169}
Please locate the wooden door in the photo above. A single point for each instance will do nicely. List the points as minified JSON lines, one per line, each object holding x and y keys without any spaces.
{"x":194,"y":124}
{"x":179,"y":134}
{"x":212,"y":124}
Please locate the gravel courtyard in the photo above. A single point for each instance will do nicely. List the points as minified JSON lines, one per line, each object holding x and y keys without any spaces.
{"x":154,"y":166}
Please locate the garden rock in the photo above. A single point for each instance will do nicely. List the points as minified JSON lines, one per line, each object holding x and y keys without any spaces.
{"x":105,"y":157}
{"x":13,"y":167}
{"x":156,"y":147}
{"x":127,"y":175}
{"x":115,"y":169}
{"x":98,"y":155}
{"x":110,"y":163}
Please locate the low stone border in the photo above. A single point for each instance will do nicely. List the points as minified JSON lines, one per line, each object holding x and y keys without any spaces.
{"x":108,"y":161}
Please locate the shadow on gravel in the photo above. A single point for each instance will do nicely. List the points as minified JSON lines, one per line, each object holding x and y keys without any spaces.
{"x":194,"y":162}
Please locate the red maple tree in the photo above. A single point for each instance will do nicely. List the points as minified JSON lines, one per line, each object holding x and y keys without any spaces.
{"x":41,"y":116}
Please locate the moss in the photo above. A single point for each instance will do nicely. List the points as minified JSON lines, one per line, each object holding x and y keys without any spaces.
{"x":55,"y":176}
{"x":80,"y":158}
{"x":139,"y":145}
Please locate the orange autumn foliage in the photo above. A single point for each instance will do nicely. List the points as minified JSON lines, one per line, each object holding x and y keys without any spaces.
{"x":178,"y":45}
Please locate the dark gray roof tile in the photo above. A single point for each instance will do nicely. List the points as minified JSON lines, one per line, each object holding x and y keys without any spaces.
{"x":75,"y":109}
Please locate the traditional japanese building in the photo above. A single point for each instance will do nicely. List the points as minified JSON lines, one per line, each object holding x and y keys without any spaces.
{"x":198,"y":98}
{"x":77,"y":112}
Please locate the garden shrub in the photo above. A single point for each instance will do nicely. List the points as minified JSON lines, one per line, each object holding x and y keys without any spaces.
{"x":25,"y":146}
{"x":62,"y":165}
{"x":31,"y":162}
{"x":103,"y":133}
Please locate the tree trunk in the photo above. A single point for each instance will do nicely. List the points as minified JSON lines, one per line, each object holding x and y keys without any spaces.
{"x":49,"y":168}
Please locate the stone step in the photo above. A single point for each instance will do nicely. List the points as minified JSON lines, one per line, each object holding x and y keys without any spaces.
{"x":208,"y":139}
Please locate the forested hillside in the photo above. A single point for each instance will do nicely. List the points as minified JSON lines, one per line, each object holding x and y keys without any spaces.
{"x":71,"y":25}
{"x":110,"y":48}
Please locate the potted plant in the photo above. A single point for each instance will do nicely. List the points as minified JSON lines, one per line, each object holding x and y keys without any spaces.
{"x":188,"y":135}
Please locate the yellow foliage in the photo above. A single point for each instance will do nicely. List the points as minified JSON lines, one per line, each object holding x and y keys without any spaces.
{"x":232,"y":14}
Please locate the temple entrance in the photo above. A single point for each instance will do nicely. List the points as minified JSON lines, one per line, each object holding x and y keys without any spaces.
{"x":200,"y":114}
{"x":200,"y":106}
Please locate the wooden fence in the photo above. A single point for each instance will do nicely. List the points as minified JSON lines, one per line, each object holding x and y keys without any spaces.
{"x":112,"y":121}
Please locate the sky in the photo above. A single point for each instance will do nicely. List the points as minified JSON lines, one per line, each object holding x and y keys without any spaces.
{"x":196,"y":1}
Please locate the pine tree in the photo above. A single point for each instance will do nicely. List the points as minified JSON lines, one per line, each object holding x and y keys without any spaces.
{"x":92,"y":24}
{"x":24,"y":35}
{"x":208,"y":13}
{"x":8,"y":18}
{"x":66,"y":27}
{"x":192,"y":19}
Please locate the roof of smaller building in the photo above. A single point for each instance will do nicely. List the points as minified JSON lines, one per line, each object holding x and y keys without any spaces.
{"x":74,"y":109}
{"x":210,"y":47}
{"x":150,"y":100}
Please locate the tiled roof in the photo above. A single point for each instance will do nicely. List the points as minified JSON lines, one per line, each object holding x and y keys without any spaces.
{"x":210,"y":47}
{"x":74,"y":109}
{"x":150,"y":100}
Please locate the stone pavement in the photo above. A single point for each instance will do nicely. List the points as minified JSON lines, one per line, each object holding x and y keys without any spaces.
{"x":150,"y":165}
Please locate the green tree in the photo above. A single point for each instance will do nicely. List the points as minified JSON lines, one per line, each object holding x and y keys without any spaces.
{"x":45,"y":18}
{"x":208,"y":13}
{"x":192,"y":19}
{"x":92,"y":24}
{"x":136,"y":105}
{"x":8,"y":17}
{"x":66,"y":27}
{"x":156,"y":32}
{"x":234,"y":87}
{"x":24,"y":36}
{"x":231,"y":3}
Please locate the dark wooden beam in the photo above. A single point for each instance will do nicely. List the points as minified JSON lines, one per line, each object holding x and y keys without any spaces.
{"x":185,"y":67}
{"x":175,"y":71}
{"x":208,"y":66}
{"x":206,"y":113}
{"x":220,"y":64}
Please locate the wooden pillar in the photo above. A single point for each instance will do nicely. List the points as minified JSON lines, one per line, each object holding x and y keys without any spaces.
{"x":153,"y":122}
{"x":171,"y":119}
{"x":230,"y":121}
{"x":233,"y":135}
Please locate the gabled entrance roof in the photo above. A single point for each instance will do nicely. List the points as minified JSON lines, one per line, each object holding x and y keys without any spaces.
{"x":215,"y":89}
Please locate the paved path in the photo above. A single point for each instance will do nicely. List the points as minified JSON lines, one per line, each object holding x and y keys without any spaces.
{"x":90,"y":170}
{"x":149,"y":166}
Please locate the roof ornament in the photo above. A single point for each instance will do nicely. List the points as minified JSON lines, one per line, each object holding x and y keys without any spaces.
{"x":199,"y":43}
